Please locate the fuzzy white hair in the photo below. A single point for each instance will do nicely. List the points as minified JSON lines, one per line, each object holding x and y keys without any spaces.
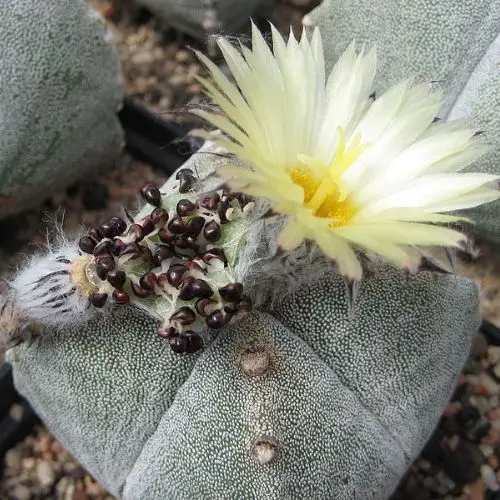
{"x":43,"y":291}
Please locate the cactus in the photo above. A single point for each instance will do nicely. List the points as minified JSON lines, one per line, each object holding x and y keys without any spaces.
{"x":200,"y":18}
{"x":352,"y":389}
{"x":246,"y":337}
{"x":60,"y":88}
{"x":456,"y":46}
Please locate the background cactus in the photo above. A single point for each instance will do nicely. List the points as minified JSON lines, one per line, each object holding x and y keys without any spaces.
{"x":456,"y":46}
{"x":60,"y":89}
{"x":200,"y":18}
{"x":307,"y":400}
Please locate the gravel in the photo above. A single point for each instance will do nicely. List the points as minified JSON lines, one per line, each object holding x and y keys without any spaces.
{"x":462,"y":459}
{"x":40,"y":468}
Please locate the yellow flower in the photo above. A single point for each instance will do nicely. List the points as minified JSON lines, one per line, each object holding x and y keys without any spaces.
{"x":348,"y":170}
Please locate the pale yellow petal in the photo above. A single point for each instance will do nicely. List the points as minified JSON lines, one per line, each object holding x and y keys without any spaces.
{"x":339,"y":251}
{"x":291,"y":236}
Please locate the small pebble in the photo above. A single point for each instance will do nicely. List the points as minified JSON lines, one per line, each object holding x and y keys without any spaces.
{"x":491,"y":386}
{"x":493,"y":354}
{"x":16,"y":412}
{"x":486,"y":450}
{"x":21,"y":492}
{"x":13,"y":460}
{"x":45,"y":473}
{"x":489,"y":477}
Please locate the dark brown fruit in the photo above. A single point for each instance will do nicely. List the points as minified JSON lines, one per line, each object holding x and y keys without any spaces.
{"x":166,"y":236}
{"x":131,"y":248}
{"x":118,"y":247}
{"x":109,"y":229}
{"x":194,"y":226}
{"x":194,"y":342}
{"x":186,"y":291}
{"x":148,"y":281}
{"x":186,"y":242}
{"x":175,"y":274}
{"x":244,"y":305}
{"x":167,"y":332}
{"x":185,"y":207}
{"x":184,"y":316}
{"x":151,"y":195}
{"x":105,"y":246}
{"x":136,"y":231}
{"x":223,"y":208}
{"x":117,"y":278}
{"x":202,"y":306}
{"x":177,"y":226}
{"x":212,"y":231}
{"x":95,"y":234}
{"x":215,"y":320}
{"x":104,"y":264}
{"x":178,"y":344}
{"x":161,"y":253}
{"x":86,"y":244}
{"x":231,"y":292}
{"x":119,"y":223}
{"x":147,"y":226}
{"x":201,"y":289}
{"x":186,"y":180}
{"x":209,"y":201}
{"x":159,"y":216}
{"x":98,"y":299}
{"x":140,"y":291}
{"x":183,"y":172}
{"x":214,"y":253}
{"x":121,"y":296}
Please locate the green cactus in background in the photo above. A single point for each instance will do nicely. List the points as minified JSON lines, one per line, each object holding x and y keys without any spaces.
{"x":60,"y":90}
{"x":456,"y":45}
{"x":200,"y":18}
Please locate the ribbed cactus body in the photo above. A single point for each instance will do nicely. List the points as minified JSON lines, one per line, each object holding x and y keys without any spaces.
{"x":60,"y":89}
{"x":309,"y":396}
{"x":347,"y":403}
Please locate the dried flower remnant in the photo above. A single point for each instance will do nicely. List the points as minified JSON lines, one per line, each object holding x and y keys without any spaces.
{"x":347,"y":170}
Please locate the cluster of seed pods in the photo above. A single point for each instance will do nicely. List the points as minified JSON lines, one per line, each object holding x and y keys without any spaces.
{"x":173,"y":257}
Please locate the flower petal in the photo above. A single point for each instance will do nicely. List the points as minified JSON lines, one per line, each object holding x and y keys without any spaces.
{"x":429,"y":190}
{"x":291,"y":236}
{"x":341,"y":252}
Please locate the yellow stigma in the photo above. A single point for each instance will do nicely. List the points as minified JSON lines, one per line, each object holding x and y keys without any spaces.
{"x":325,"y":197}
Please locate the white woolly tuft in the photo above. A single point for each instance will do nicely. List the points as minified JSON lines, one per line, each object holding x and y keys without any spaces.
{"x":43,"y":291}
{"x":266,"y":274}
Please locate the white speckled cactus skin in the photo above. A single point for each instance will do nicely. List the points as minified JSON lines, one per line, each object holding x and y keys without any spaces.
{"x":200,"y":18}
{"x":481,"y":100}
{"x":349,"y":403}
{"x":60,"y":89}
{"x":348,"y":398}
{"x":453,"y":43}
